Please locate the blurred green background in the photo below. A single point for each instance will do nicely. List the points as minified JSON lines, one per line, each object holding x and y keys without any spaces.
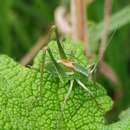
{"x":23,"y":21}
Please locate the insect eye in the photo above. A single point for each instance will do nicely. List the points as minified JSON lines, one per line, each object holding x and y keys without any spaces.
{"x":91,"y":68}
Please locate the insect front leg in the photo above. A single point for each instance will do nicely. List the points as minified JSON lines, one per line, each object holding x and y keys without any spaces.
{"x":68,"y":93}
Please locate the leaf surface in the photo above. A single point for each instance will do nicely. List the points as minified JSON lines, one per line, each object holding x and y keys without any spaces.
{"x":28,"y":104}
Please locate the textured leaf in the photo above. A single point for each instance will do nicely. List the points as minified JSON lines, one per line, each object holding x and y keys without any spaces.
{"x":122,"y":124}
{"x":28,"y":104}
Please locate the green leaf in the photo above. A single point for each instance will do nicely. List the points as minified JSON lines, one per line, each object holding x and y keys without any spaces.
{"x":122,"y":124}
{"x":21,"y":107}
{"x":118,"y":20}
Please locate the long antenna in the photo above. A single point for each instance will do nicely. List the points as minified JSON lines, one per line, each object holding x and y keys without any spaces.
{"x":101,"y":56}
{"x":107,"y":21}
{"x":107,"y":44}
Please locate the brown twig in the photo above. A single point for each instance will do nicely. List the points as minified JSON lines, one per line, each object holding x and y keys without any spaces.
{"x":79,"y":20}
{"x":34,"y":50}
{"x":109,"y":73}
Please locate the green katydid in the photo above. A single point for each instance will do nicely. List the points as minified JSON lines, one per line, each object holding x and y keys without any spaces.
{"x":71,"y":75}
{"x":73,"y":70}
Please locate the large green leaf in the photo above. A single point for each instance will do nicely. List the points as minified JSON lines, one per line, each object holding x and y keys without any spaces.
{"x":29,"y":103}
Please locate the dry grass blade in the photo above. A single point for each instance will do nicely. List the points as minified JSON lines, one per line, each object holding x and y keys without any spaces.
{"x":43,"y":40}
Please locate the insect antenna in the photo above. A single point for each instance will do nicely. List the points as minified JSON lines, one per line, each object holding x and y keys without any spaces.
{"x":92,"y":67}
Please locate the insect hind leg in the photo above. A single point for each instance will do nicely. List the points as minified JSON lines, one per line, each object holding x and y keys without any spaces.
{"x":80,"y":83}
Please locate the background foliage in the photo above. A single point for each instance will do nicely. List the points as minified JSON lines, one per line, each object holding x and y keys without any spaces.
{"x":23,"y":21}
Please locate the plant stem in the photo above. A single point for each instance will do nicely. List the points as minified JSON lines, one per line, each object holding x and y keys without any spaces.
{"x":79,"y":21}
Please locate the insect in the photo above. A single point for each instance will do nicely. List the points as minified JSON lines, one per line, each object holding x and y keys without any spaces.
{"x":68,"y":71}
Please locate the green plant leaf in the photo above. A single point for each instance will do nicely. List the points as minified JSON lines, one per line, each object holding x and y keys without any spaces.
{"x":21,"y":107}
{"x":122,"y":124}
